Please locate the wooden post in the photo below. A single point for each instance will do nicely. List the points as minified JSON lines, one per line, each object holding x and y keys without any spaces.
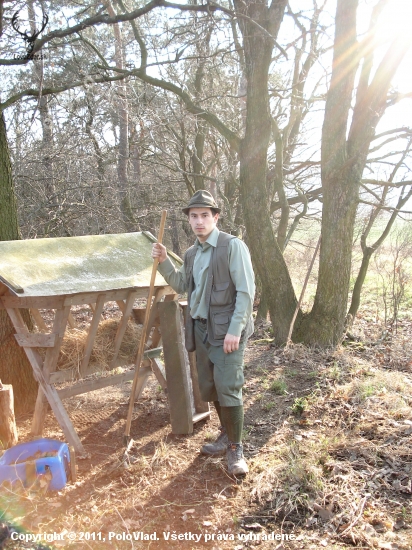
{"x":179,"y":385}
{"x":49,"y":365}
{"x":8,"y":429}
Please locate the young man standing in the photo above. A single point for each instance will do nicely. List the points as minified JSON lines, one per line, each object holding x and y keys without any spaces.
{"x":218,"y":277}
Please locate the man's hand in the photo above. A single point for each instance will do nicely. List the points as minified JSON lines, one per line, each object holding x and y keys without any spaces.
{"x":160,"y":252}
{"x":231,"y":343}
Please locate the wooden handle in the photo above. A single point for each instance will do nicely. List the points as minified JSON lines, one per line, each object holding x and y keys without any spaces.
{"x":140,"y":352}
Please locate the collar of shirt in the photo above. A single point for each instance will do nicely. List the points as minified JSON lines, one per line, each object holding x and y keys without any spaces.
{"x":210,"y":241}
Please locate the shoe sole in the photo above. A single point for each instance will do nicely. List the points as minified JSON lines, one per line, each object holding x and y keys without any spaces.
{"x":218,"y":453}
{"x":241,"y":473}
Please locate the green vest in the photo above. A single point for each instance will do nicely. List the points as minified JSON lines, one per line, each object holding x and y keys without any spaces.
{"x":220,"y":295}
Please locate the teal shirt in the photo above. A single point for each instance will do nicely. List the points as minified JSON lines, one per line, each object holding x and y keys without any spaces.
{"x":241,"y":273}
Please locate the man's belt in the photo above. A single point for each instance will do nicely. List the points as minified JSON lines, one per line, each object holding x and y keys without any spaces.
{"x":203,"y":321}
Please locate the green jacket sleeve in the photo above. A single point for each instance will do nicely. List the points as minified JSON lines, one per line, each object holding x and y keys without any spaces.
{"x":241,"y":273}
{"x":176,"y":278}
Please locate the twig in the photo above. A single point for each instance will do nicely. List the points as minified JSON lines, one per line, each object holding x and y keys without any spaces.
{"x":357,"y":518}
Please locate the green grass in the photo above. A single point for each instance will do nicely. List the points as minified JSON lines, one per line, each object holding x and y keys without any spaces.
{"x":279,"y":387}
{"x":299,"y":405}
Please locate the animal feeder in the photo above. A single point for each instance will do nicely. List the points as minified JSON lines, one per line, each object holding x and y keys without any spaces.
{"x":59,"y":273}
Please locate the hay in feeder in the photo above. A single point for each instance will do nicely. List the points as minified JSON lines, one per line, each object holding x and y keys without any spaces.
{"x":71,"y":353}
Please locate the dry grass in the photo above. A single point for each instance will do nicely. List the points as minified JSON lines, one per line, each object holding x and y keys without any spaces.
{"x":74,"y":342}
{"x":341,"y":466}
{"x":328,"y":443}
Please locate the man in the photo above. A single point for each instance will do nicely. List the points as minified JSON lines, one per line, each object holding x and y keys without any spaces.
{"x":217,"y":275}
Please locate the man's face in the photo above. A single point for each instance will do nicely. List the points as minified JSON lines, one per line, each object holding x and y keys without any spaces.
{"x":202,"y":222}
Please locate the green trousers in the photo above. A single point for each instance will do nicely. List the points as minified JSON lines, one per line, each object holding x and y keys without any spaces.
{"x":220,"y":374}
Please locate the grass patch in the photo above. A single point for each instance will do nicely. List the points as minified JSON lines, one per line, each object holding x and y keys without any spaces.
{"x":278,"y":387}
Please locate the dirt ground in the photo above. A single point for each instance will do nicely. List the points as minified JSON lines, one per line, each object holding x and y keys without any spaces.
{"x":328,"y":441}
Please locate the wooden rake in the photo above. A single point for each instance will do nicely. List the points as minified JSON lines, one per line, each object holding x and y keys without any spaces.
{"x":126,"y":437}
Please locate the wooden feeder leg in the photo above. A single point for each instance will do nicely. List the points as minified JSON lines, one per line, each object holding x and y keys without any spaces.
{"x":50,"y":363}
{"x":50,"y":392}
{"x":8,"y":429}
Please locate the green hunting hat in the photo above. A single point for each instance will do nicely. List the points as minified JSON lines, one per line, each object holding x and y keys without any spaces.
{"x":201,"y":199}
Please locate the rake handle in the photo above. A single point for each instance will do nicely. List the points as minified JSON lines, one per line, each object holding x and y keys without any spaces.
{"x":144,"y":330}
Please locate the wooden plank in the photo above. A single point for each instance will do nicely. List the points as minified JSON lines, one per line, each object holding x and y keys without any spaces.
{"x":156,"y":337}
{"x":72,"y":322}
{"x":121,"y":305}
{"x":50,"y":392}
{"x":200,"y":405}
{"x":50,"y":363}
{"x":14,"y":287}
{"x":160,"y":373}
{"x":121,"y":329}
{"x":177,"y":368}
{"x":3,"y":289}
{"x":38,"y":319}
{"x":141,"y":384}
{"x":36,"y":340}
{"x":85,"y":386}
{"x":154,"y":319}
{"x":111,"y":296}
{"x":72,"y":374}
{"x":66,"y":375}
{"x":38,"y":302}
{"x":200,"y":416}
{"x":94,"y":325}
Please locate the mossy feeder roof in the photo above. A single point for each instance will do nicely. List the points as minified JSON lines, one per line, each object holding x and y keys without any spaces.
{"x":71,"y":265}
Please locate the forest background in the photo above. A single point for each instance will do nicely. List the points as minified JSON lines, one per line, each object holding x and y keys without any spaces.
{"x":295,"y":115}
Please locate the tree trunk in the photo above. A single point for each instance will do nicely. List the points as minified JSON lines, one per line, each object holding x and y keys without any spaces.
{"x":15,"y":368}
{"x":343,"y":159}
{"x":122,"y":108}
{"x":360,"y":279}
{"x":267,"y":256}
{"x":340,"y":181}
{"x":325,"y":323}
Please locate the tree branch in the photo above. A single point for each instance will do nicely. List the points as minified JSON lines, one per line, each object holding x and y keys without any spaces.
{"x":209,"y":117}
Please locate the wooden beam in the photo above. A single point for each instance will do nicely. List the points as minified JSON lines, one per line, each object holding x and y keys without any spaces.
{"x":121,"y":305}
{"x":121,"y":329}
{"x":179,"y":385}
{"x":49,"y":365}
{"x":84,"y":386}
{"x":36,"y":340}
{"x":38,"y":319}
{"x":65,"y":375}
{"x":50,"y":392}
{"x":160,"y":373}
{"x":28,"y":302}
{"x":69,"y":375}
{"x":200,"y":416}
{"x":200,"y":405}
{"x":94,"y":325}
{"x":72,"y":322}
{"x":111,"y":296}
